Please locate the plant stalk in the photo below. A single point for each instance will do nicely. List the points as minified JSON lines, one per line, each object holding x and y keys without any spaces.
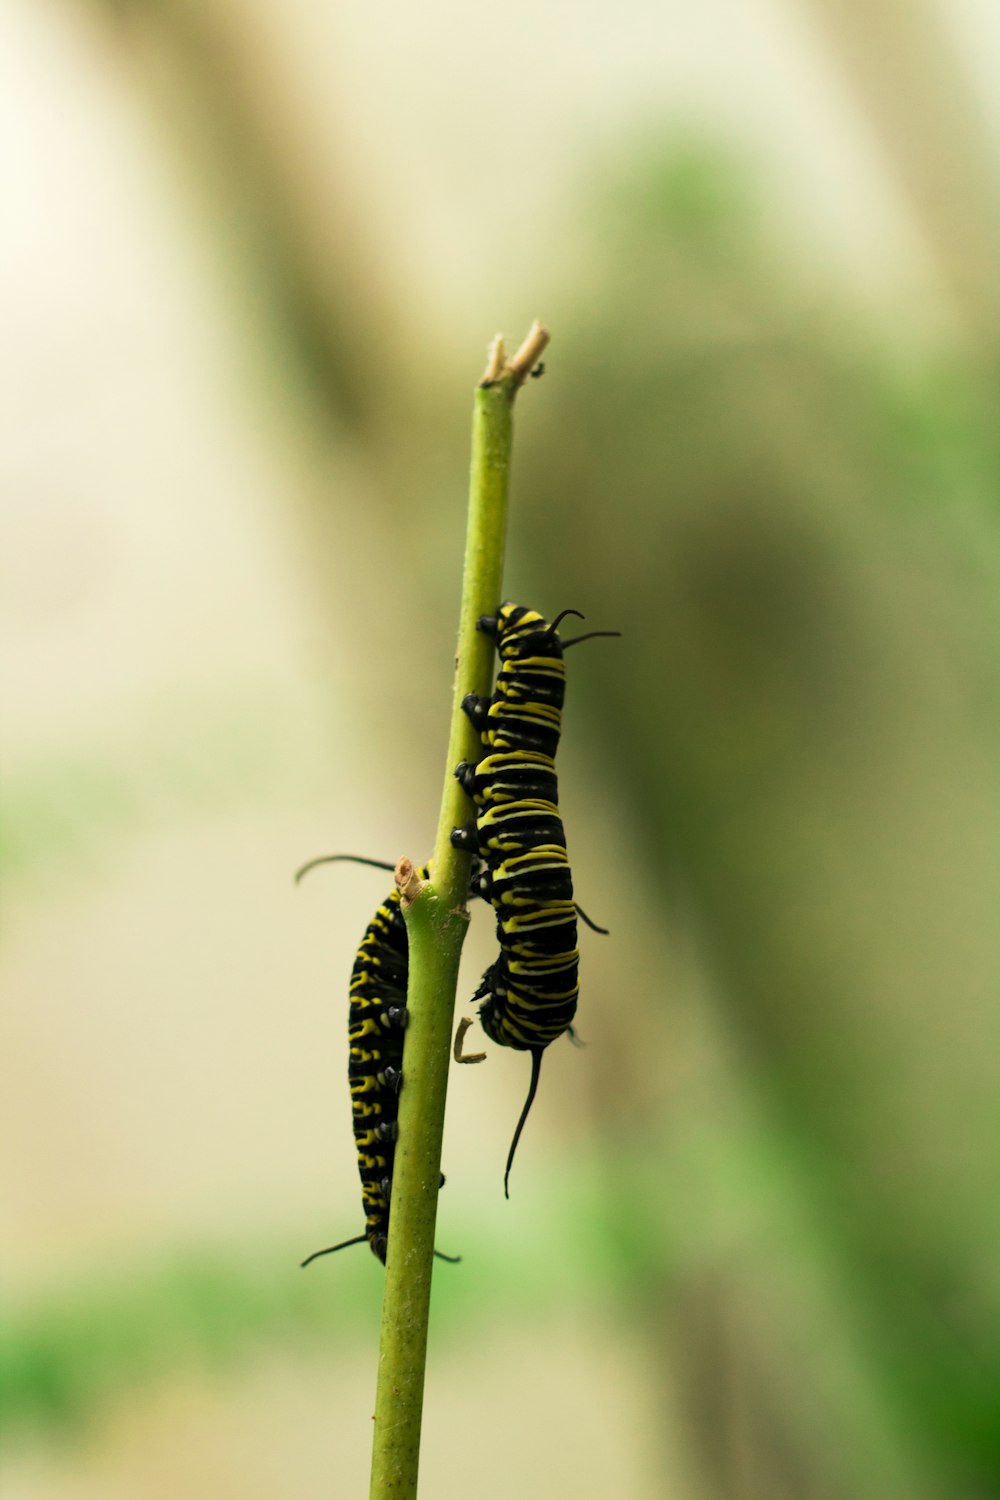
{"x":436,"y":921}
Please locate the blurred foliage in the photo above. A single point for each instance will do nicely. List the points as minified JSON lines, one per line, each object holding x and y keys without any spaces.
{"x":64,"y":1360}
{"x":67,"y":1356}
{"x":187,"y":753}
{"x":800,"y":541}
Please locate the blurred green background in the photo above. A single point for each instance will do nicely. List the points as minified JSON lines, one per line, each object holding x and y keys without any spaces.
{"x":253,"y":255}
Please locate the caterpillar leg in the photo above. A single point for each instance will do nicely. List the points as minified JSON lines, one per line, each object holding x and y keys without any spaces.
{"x":477,"y":709}
{"x":465,"y":774}
{"x":466,"y":837}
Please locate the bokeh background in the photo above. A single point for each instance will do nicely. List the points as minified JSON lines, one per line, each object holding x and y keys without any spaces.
{"x":252,"y":256}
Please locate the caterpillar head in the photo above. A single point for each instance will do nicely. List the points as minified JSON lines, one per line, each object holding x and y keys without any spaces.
{"x":519,"y":631}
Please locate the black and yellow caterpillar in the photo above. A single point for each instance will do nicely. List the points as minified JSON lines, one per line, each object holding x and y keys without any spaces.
{"x":530,"y":992}
{"x":376,"y":1027}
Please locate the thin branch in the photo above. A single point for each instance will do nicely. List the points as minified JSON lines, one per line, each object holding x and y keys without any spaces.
{"x":436,"y":923}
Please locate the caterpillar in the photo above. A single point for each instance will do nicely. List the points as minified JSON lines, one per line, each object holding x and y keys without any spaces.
{"x":376,"y":1026}
{"x":530,"y":992}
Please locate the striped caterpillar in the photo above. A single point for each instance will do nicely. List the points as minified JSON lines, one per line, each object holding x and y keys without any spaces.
{"x":529,"y":994}
{"x":376,"y":1026}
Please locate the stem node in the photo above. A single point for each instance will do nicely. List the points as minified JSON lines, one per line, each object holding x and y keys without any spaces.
{"x":408,"y":883}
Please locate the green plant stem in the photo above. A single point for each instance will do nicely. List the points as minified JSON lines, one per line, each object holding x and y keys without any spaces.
{"x":437,"y":920}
